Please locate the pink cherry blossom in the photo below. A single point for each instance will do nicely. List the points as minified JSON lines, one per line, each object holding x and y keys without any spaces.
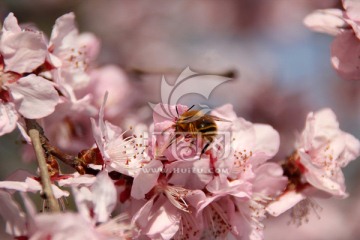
{"x":8,"y":118}
{"x":23,"y":181}
{"x":31,"y":96}
{"x":12,"y":214}
{"x":70,"y":52}
{"x":124,"y":155}
{"x":34,"y":96}
{"x":169,"y":214}
{"x":238,"y":187}
{"x":23,"y":50}
{"x":110,"y":79}
{"x":322,"y":150}
{"x":345,"y":25}
{"x":99,"y":198}
{"x":69,"y":127}
{"x":64,"y":225}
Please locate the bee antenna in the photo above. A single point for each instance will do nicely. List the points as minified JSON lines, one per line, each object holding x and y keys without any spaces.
{"x":190,"y":108}
{"x":177,"y":111}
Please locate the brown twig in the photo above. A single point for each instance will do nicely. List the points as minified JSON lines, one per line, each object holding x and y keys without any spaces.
{"x":35,"y":132}
{"x":140,"y":72}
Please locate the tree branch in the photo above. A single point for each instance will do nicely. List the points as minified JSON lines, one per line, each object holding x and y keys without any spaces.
{"x":34,"y":131}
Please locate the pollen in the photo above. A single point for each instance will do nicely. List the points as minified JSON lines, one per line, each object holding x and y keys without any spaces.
{"x":301,"y":212}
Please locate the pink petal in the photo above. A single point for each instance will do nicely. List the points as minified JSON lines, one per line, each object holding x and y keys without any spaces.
{"x":27,"y":186}
{"x":351,"y":151}
{"x":8,"y":118}
{"x":64,"y":226}
{"x":34,"y":96}
{"x":321,"y":128}
{"x":269,"y":179}
{"x":98,"y":136}
{"x":146,"y":179}
{"x":12,"y":214}
{"x":352,"y":8}
{"x":345,"y":51}
{"x":59,"y":193}
{"x":64,"y":33}
{"x":53,"y":60}
{"x":78,"y":180}
{"x":142,"y":215}
{"x":226,"y":112}
{"x":82,"y":198}
{"x":104,"y":196}
{"x":165,"y":112}
{"x":24,"y":134}
{"x":164,"y":222}
{"x":31,"y":185}
{"x":192,"y":174}
{"x":322,"y":180}
{"x":329,"y":21}
{"x":11,"y":24}
{"x":284,"y":203}
{"x":243,"y":135}
{"x":221,"y":186}
{"x":23,"y":51}
{"x":267,"y":139}
{"x":91,"y":44}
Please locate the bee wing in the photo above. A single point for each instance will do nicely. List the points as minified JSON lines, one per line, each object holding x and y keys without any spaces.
{"x":219,"y":119}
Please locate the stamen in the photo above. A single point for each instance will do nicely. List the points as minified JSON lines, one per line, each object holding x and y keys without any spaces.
{"x":301,"y":212}
{"x":176,"y":196}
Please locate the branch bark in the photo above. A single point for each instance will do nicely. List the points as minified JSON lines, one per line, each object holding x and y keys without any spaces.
{"x":34,"y":132}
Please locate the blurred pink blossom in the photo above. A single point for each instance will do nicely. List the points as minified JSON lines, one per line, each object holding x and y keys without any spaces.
{"x":345,"y":25}
{"x":322,"y":150}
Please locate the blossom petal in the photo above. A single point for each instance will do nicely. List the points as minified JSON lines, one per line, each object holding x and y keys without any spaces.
{"x":64,"y":33}
{"x":351,"y":151}
{"x":13,"y":216}
{"x":165,"y":112}
{"x":352,"y":8}
{"x":164,"y":221}
{"x":146,"y":179}
{"x":34,"y":96}
{"x":322,"y":180}
{"x":23,"y":51}
{"x":284,"y":203}
{"x":329,"y":21}
{"x":92,"y":44}
{"x":345,"y":51}
{"x":11,"y":24}
{"x":226,"y":112}
{"x":244,"y":135}
{"x":8,"y":118}
{"x":104,"y":196}
{"x":269,"y":179}
{"x":267,"y":140}
{"x":64,"y":226}
{"x":77,"y":180}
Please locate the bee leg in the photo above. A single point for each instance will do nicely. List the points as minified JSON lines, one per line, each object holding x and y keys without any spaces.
{"x":205,"y":148}
{"x":171,"y":142}
{"x":173,"y":139}
{"x":210,"y":140}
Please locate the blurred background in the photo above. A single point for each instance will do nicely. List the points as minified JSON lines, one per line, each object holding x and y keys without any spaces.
{"x":283,"y":71}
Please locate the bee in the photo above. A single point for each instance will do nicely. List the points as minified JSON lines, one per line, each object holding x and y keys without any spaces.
{"x":193,"y":123}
